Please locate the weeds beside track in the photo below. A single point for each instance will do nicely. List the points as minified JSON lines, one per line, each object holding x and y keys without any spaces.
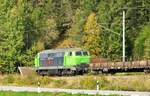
{"x":107,"y":82}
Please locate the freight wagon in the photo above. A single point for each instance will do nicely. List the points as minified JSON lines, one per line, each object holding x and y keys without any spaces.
{"x":99,"y":65}
{"x":62,"y":61}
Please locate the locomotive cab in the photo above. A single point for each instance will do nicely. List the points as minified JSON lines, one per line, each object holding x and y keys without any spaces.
{"x":75,"y":58}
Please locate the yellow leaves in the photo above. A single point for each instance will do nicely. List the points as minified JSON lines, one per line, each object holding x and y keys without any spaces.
{"x":51,"y":33}
{"x":91,"y":37}
{"x":38,"y":46}
{"x":13,"y":12}
{"x":17,"y":9}
{"x":67,"y":43}
{"x":91,"y":24}
{"x":51,"y":23}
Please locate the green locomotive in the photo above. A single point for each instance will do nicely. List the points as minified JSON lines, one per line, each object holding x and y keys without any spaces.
{"x":62,"y":61}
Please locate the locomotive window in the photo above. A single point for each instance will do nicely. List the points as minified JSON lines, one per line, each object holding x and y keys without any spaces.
{"x":51,"y":55}
{"x":70,"y":53}
{"x":78,"y":53}
{"x":59,"y":54}
{"x":43,"y":55}
{"x":85,"y":53}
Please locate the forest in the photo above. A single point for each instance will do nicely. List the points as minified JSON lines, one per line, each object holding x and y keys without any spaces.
{"x":30,"y":26}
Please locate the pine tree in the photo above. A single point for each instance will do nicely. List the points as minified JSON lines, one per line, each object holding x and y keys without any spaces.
{"x":110,"y":19}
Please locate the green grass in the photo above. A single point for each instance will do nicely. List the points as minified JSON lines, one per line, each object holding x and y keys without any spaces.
{"x":10,"y":93}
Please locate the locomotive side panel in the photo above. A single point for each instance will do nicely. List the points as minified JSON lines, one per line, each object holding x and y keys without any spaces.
{"x":51,"y":59}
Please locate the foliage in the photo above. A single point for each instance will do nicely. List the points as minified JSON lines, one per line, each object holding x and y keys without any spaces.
{"x":68,"y":43}
{"x":142,"y":43}
{"x":110,"y":19}
{"x":91,"y":38}
{"x":12,"y":34}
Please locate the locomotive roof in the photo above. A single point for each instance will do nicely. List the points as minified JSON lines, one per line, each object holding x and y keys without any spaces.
{"x":61,"y":50}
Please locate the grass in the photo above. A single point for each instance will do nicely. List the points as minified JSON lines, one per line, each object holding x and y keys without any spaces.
{"x":10,"y":93}
{"x":129,"y":73}
{"x":107,"y":82}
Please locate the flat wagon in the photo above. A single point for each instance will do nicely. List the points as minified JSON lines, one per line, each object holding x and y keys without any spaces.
{"x":99,"y":65}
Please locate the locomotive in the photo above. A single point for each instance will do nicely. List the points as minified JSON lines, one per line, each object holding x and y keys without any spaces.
{"x":62,"y":61}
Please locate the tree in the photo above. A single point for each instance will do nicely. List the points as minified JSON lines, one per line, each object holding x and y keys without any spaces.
{"x":110,"y":19}
{"x":80,"y":12}
{"x":12,"y":43}
{"x":91,"y":38}
{"x":76,"y":31}
{"x":136,"y":17}
{"x":141,"y":47}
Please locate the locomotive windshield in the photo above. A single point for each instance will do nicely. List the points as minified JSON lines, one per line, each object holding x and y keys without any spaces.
{"x":85,"y":53}
{"x":81,"y":53}
{"x":78,"y":53}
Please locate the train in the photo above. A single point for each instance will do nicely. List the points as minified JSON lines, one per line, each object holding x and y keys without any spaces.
{"x":72,"y":61}
{"x":62,"y":61}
